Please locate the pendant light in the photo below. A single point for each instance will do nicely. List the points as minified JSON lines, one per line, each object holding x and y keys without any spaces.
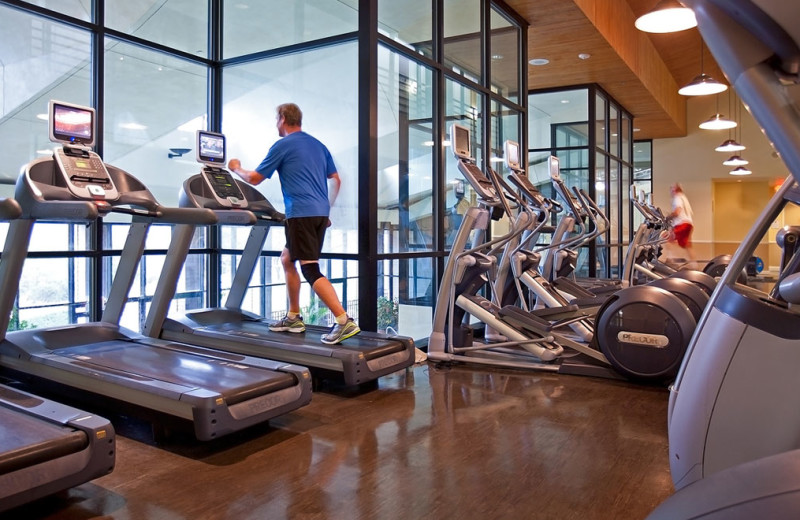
{"x":718,"y":121}
{"x":703,"y":84}
{"x":667,"y":16}
{"x":735,"y":160}
{"x":731,"y":145}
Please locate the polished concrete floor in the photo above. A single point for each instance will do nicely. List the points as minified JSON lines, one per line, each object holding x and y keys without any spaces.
{"x":432,"y":441}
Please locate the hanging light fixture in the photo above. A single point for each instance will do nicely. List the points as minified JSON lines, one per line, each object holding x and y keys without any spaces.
{"x":718,"y":121}
{"x":703,"y":84}
{"x":730,"y":144}
{"x":740,"y":170}
{"x":735,"y":160}
{"x":667,"y":16}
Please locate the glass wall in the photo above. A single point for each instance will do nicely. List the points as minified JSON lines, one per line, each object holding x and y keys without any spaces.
{"x":250,"y":27}
{"x":252,"y":92}
{"x":594,"y":155}
{"x":166,"y":71}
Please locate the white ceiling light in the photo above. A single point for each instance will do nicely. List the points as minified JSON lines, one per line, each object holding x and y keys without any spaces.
{"x":740,"y":170}
{"x":539,"y":61}
{"x":735,"y":160}
{"x":730,"y":145}
{"x":718,"y":122}
{"x":667,"y":16}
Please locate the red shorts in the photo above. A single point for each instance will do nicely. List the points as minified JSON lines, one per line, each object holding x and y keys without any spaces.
{"x":683,"y":234}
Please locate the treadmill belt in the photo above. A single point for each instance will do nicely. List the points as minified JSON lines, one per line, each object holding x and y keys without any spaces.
{"x":369,"y":344}
{"x":235,"y":381}
{"x":26,"y":440}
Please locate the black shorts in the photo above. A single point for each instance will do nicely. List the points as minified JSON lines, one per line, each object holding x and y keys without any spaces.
{"x":304,"y":237}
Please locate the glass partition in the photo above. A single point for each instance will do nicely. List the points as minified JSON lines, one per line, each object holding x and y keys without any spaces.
{"x":180,"y":24}
{"x":41,"y":60}
{"x":409,"y":23}
{"x":153,"y":141}
{"x":405,"y":155}
{"x":250,"y":27}
{"x":504,"y":43}
{"x":462,"y":38}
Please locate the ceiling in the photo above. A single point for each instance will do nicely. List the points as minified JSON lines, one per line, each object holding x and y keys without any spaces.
{"x":641,"y":71}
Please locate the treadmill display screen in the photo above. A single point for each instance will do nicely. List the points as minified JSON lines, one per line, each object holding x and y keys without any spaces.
{"x":210,"y":147}
{"x":71,"y":124}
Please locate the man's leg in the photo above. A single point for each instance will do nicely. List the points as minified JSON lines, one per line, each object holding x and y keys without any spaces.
{"x":293,"y":281}
{"x":345,"y":327}
{"x":324,"y":289}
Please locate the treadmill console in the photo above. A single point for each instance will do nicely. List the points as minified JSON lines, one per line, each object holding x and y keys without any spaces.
{"x":211,"y":153}
{"x":83,"y":170}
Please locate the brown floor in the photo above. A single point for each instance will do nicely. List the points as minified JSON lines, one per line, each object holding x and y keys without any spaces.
{"x":428,"y":442}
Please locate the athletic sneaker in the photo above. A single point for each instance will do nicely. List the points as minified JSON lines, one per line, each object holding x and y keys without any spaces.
{"x":340,"y":333}
{"x":288,"y":324}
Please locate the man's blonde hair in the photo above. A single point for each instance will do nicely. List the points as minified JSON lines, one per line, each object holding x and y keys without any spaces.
{"x":291,"y":113}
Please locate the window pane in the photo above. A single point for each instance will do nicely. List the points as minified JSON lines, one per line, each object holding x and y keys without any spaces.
{"x":181,"y":24}
{"x":250,"y":27}
{"x":626,"y":137}
{"x":81,"y":9}
{"x":409,"y":22}
{"x":505,"y":127}
{"x":52,"y":292}
{"x":405,"y":155}
{"x":464,"y":105}
{"x":613,"y":131}
{"x":41,"y":60}
{"x":548,"y":109}
{"x":600,"y":122}
{"x":462,"y":37}
{"x":505,"y":56}
{"x":330,"y":113}
{"x":154,"y":103}
{"x":405,"y":301}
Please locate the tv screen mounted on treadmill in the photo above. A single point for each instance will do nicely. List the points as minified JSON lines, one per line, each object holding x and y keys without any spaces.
{"x":460,"y":140}
{"x":210,"y":147}
{"x":71,"y":124}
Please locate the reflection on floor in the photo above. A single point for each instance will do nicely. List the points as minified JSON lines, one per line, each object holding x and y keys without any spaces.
{"x":429,"y":442}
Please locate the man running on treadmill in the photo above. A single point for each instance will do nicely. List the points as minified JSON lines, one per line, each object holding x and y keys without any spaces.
{"x":304,"y":166}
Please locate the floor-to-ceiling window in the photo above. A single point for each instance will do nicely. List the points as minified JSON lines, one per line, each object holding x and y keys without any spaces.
{"x":158,"y":70}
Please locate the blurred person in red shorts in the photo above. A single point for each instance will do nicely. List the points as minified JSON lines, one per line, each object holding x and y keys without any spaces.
{"x":681,"y":219}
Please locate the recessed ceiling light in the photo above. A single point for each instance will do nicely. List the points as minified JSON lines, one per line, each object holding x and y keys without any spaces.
{"x":565,"y":101}
{"x":584,"y":55}
{"x":539,"y":61}
{"x":637,"y":129}
{"x":497,"y":57}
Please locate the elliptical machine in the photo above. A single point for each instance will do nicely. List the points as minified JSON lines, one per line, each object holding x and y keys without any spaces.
{"x":650,"y":340}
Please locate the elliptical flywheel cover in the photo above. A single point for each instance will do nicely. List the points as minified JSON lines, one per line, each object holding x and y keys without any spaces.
{"x":644,"y":331}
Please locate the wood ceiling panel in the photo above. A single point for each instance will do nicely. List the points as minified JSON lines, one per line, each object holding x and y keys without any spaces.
{"x":641,"y":71}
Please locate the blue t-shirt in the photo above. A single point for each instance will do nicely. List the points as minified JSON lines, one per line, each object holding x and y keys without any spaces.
{"x":304,"y":165}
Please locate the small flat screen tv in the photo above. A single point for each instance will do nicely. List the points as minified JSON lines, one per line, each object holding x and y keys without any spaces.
{"x":71,"y":124}
{"x":210,"y":147}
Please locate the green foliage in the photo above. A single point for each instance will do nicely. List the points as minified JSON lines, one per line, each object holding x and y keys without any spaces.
{"x":315,"y":313}
{"x":388,"y":313}
{"x":16,"y":324}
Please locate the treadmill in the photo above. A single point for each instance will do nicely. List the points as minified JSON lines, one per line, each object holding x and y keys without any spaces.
{"x":46,"y":447}
{"x":217,"y":392}
{"x":360,"y":359}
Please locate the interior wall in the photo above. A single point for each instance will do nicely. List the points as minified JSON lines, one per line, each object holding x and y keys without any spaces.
{"x":693,"y":162}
